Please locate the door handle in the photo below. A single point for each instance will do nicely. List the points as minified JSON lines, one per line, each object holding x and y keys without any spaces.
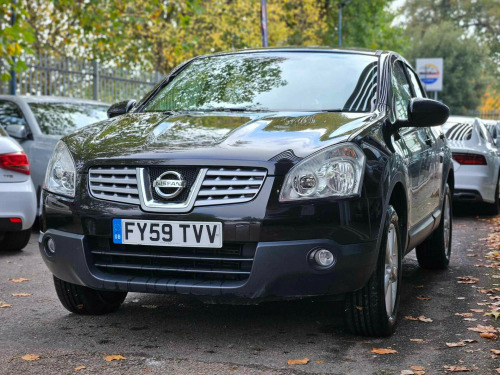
{"x":428,"y":142}
{"x":441,"y":157}
{"x":441,"y":136}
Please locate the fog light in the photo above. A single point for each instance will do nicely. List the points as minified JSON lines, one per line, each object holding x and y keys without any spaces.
{"x":50,"y":245}
{"x":324,"y":257}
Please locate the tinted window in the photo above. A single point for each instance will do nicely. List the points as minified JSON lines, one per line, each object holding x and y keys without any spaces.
{"x":289,"y":81}
{"x":415,"y":82}
{"x":10,"y":114}
{"x":401,"y":91}
{"x":63,"y":118}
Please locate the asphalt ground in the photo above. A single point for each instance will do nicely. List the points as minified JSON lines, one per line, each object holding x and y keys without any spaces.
{"x":178,"y":335}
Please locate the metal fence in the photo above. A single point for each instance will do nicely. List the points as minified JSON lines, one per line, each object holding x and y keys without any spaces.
{"x":485,"y":115}
{"x":49,"y":75}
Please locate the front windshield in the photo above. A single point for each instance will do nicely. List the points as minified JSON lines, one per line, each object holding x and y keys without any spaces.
{"x":286,"y":81}
{"x":64,"y":118}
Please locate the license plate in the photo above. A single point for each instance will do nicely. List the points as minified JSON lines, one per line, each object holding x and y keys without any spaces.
{"x":167,"y":233}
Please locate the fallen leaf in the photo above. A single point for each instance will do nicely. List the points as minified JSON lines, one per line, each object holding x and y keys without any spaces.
{"x":494,"y":314}
{"x":20,"y":280}
{"x":360,"y":308}
{"x":417,"y":340}
{"x":456,"y":369}
{"x":383,"y":351}
{"x":117,"y":357}
{"x":21,"y":294}
{"x":424,"y":319}
{"x":495,"y":276}
{"x":319,"y":361}
{"x":31,"y":357}
{"x":417,"y":368}
{"x":4,"y":305}
{"x":467,"y":280}
{"x":477,"y":310}
{"x":489,"y":336}
{"x":303,"y":361}
{"x":498,"y":370}
{"x":495,"y":351}
{"x":455,"y":344}
{"x":469,"y":341}
{"x":470,"y":319}
{"x":465,"y":315}
{"x":481,"y":328}
{"x":78,"y":368}
{"x":407,"y":372}
{"x":473,"y":255}
{"x":422,"y":298}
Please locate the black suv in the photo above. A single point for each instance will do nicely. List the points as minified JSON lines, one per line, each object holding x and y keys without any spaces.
{"x":251,"y":176}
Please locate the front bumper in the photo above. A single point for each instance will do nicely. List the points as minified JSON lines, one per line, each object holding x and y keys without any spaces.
{"x":280,"y":270}
{"x":17,"y":199}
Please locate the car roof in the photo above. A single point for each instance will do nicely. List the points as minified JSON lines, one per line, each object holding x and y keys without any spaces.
{"x":50,"y":99}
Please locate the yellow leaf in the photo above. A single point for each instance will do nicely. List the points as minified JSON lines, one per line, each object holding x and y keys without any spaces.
{"x":384,"y":351}
{"x":303,"y":361}
{"x":78,"y":368}
{"x":494,"y":314}
{"x":31,"y":357}
{"x":4,"y":305}
{"x":116,"y":357}
{"x":20,"y":280}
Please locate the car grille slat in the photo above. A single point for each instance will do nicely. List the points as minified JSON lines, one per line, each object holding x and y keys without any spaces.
{"x":230,"y":185}
{"x":114,"y":184}
{"x":231,"y":262}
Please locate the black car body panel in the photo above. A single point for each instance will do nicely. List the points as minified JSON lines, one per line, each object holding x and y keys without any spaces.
{"x":275,"y":238}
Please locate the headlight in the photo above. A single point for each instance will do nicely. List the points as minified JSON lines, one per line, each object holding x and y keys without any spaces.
{"x":61,"y":174}
{"x":334,"y":172}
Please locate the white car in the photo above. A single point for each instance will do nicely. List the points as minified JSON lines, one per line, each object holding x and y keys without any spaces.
{"x":476,"y":162}
{"x":17,"y":195}
{"x":494,"y":129}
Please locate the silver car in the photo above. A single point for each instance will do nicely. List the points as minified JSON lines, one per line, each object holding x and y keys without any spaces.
{"x":17,"y":195}
{"x":476,"y":161}
{"x":37,"y":123}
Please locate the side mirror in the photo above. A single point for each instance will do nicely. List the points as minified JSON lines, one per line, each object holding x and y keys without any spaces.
{"x":17,"y":131}
{"x":422,"y":113}
{"x":120,"y":108}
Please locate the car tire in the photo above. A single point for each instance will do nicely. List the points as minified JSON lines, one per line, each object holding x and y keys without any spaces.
{"x":435,"y":251}
{"x":372,"y":311}
{"x":494,"y":208}
{"x":15,"y":241}
{"x":82,"y":300}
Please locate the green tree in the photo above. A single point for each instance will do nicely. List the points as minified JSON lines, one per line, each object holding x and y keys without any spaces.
{"x":14,"y":38}
{"x":465,"y":63}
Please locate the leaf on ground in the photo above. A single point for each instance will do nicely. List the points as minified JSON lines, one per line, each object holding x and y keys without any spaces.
{"x":470,"y":319}
{"x":495,"y":351}
{"x":383,"y":351}
{"x":465,"y":315}
{"x":78,"y":368}
{"x":455,"y":344}
{"x":406,"y":372}
{"x":495,"y":276}
{"x":468,"y":280}
{"x":477,"y":310}
{"x":319,"y":362}
{"x":423,"y":318}
{"x":489,"y":336}
{"x":494,"y":314}
{"x":480,"y":328}
{"x":417,"y":340}
{"x":303,"y":361}
{"x":498,"y":370}
{"x":116,"y":357}
{"x":456,"y":369}
{"x":21,"y":294}
{"x":20,"y":280}
{"x":417,"y":368}
{"x":31,"y":357}
{"x":4,"y":305}
{"x":422,"y":298}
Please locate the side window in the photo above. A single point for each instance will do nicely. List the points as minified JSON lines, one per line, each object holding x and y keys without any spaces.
{"x":401,"y":92}
{"x":10,"y":114}
{"x":415,"y":82}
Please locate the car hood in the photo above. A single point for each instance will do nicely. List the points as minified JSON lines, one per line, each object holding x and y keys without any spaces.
{"x":212,"y":136}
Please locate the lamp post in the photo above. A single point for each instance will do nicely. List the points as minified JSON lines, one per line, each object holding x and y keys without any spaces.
{"x":263,"y":22}
{"x":341,"y":5}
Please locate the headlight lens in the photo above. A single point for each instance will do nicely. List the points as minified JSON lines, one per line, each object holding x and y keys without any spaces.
{"x":60,"y":176}
{"x":334,"y":172}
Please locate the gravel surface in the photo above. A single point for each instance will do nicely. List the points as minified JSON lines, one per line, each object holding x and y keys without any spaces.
{"x":171,"y":334}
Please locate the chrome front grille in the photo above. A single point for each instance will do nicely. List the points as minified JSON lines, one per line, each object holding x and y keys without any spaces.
{"x":230,"y":185}
{"x":118,"y":184}
{"x":219,"y":186}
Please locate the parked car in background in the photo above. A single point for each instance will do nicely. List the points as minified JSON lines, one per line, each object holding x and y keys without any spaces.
{"x":255,"y":175}
{"x":17,"y":195}
{"x":37,"y":123}
{"x":476,"y":162}
{"x":494,"y":129}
